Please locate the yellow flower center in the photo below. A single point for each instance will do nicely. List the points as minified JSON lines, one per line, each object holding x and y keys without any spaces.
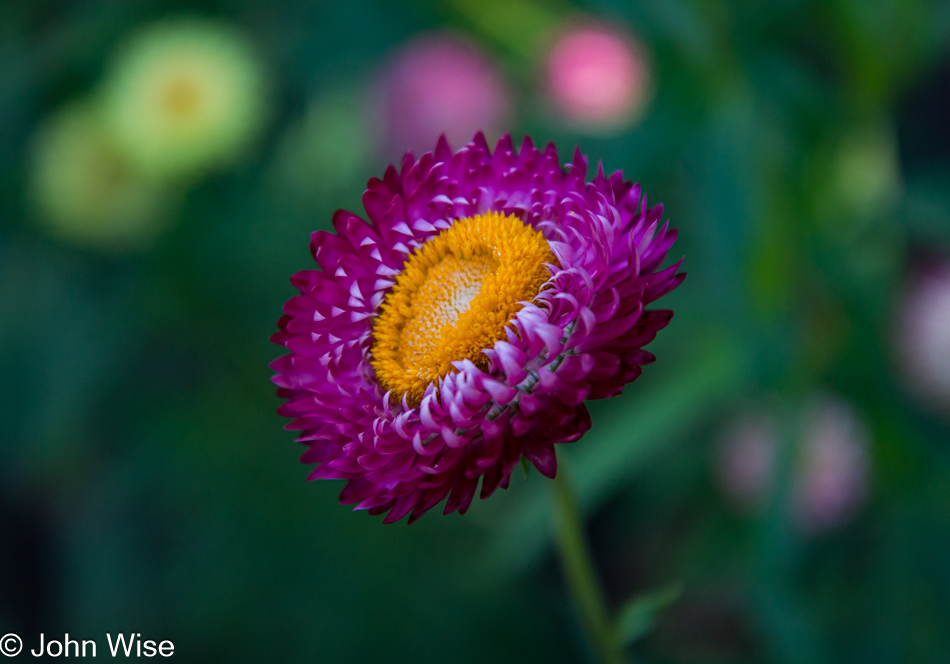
{"x":181,"y":96}
{"x":454,"y":298}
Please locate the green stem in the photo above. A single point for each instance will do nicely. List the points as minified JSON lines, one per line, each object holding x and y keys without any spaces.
{"x":581,"y":577}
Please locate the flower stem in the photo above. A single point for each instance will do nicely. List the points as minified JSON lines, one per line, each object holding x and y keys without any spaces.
{"x":582,"y":579}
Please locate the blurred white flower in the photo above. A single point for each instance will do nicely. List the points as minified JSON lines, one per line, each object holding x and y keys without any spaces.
{"x":923,"y":338}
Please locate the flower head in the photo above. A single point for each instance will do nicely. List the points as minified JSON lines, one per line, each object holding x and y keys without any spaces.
{"x":597,"y":77}
{"x":84,"y":191}
{"x":440,"y":84}
{"x":924,"y":335}
{"x":184,"y":95}
{"x":464,"y":325}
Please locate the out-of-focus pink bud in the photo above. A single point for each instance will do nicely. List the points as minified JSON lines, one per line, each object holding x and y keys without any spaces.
{"x":747,"y":459}
{"x":832,"y":474}
{"x":597,"y":77}
{"x":441,"y":83}
{"x":830,"y":465}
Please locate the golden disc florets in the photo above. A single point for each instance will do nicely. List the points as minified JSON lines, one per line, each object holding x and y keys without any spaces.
{"x":454,"y":298}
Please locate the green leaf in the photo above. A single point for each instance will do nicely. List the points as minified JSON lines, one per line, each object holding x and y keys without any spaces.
{"x":639,"y":615}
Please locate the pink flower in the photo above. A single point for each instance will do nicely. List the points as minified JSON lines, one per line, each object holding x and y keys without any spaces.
{"x":830,"y":463}
{"x":747,"y":459}
{"x":831,"y":478}
{"x":441,"y":84}
{"x":597,"y":77}
{"x":462,"y":325}
{"x":924,"y":335}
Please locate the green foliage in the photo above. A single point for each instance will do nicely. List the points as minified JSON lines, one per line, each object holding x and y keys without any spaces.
{"x":639,"y":616}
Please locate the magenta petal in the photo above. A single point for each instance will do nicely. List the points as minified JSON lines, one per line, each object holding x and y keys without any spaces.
{"x":542,"y":456}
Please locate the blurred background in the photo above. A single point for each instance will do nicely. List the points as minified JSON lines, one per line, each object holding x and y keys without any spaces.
{"x":775,"y":486}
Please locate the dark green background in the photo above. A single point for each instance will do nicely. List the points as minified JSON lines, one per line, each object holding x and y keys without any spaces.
{"x":145,"y":482}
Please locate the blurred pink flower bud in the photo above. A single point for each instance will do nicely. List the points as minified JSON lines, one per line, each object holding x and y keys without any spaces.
{"x":441,"y":83}
{"x":597,"y":77}
{"x":747,"y":459}
{"x":831,"y":466}
{"x":924,"y":335}
{"x":832,"y":474}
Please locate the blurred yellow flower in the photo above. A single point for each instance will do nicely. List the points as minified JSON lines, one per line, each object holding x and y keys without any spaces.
{"x":84,"y":191}
{"x":184,"y":96}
